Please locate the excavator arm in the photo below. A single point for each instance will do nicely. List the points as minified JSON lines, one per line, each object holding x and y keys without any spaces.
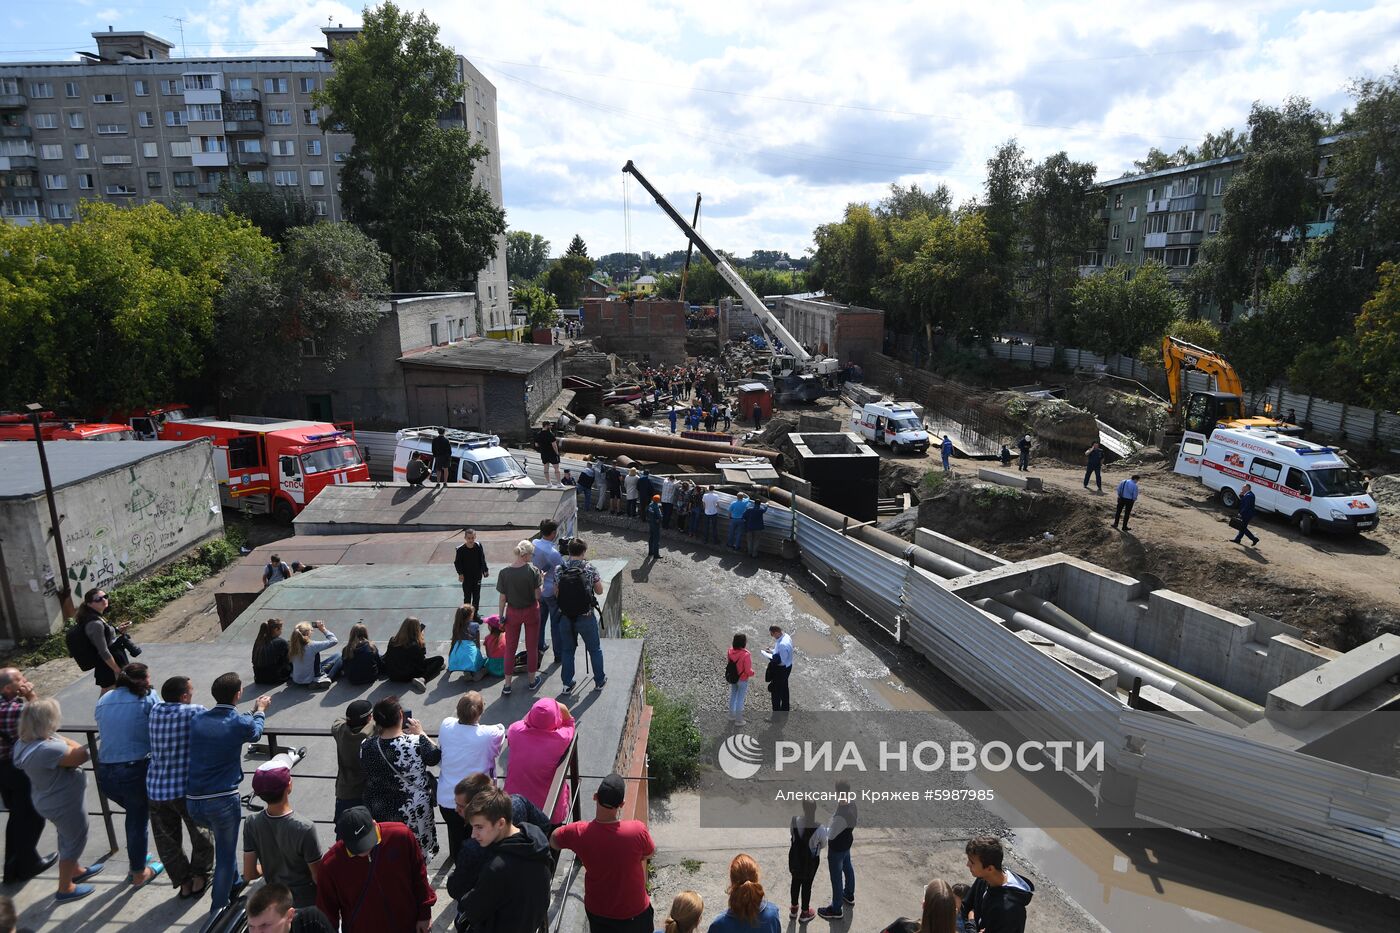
{"x":1178,"y":355}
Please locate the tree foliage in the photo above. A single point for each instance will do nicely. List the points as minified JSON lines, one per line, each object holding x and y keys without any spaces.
{"x":1058,"y":218}
{"x":705,"y":286}
{"x":527,"y":255}
{"x":540,"y":307}
{"x":274,"y":211}
{"x":567,"y":274}
{"x":409,"y":182}
{"x":944,"y":274}
{"x":1376,"y":350}
{"x":847,"y":262}
{"x":904,"y":203}
{"x":1118,"y":310}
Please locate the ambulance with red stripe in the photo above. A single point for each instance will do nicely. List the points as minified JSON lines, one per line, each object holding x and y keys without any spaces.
{"x":275,"y":468}
{"x":1309,"y":483}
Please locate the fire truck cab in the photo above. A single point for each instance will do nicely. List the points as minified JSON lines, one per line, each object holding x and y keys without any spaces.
{"x":276,"y":468}
{"x":17,"y":427}
{"x":150,"y":424}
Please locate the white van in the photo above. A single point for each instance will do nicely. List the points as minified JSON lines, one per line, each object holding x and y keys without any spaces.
{"x":892,"y":424}
{"x":476,"y":458}
{"x":1309,"y":483}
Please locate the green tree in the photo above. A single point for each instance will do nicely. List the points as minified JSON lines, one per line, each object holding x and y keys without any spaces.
{"x":578,"y":248}
{"x":847,"y":261}
{"x":1218,"y":145}
{"x":1008,"y":174}
{"x":1059,"y":224}
{"x":1116,"y":311}
{"x":905,"y":202}
{"x":949,"y":281}
{"x":274,"y":211}
{"x":1377,"y":344}
{"x":1365,"y":158}
{"x":1157,"y":160}
{"x":567,"y":274}
{"x":408,"y":182}
{"x":1253,"y":348}
{"x":527,"y":255}
{"x":119,"y":308}
{"x":540,"y":307}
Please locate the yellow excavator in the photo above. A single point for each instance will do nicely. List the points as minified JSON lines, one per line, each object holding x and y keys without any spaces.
{"x":1223,"y":406}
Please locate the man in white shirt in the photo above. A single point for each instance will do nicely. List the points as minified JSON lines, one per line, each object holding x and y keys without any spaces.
{"x":668,"y":500}
{"x":710,"y":500}
{"x":1127,"y":498}
{"x":780,"y":668}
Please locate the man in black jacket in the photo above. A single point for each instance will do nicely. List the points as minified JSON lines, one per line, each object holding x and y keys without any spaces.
{"x":470,"y":561}
{"x":998,"y":898}
{"x":442,"y":457}
{"x":512,"y":892}
{"x":469,"y":858}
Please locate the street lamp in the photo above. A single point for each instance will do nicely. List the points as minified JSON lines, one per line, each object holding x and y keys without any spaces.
{"x":65,"y":592}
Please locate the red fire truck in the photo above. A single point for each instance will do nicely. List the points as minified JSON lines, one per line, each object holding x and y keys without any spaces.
{"x":278,"y":467}
{"x":17,"y":427}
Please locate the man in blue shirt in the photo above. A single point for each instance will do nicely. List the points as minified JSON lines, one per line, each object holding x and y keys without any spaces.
{"x":1246,"y":515}
{"x":779,"y":668}
{"x":1127,"y":498}
{"x":545,"y":559}
{"x":753,"y":524}
{"x":946,"y":450}
{"x":672,"y":416}
{"x":737,"y":508}
{"x":123,"y":716}
{"x":217,"y":738}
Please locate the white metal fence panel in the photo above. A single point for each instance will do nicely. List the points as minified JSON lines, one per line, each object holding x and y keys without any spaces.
{"x":870,"y":580}
{"x":378,"y":447}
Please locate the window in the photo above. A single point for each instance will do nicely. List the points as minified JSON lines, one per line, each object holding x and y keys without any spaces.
{"x":141,"y":87}
{"x":116,"y":160}
{"x":1266,"y":470}
{"x":75,"y":120}
{"x":313,"y":147}
{"x":80,"y":152}
{"x":274,"y":85}
{"x":1184,"y":221}
{"x":285,"y":179}
{"x":1193,"y":446}
{"x":85,"y":181}
{"x":120,"y":189}
{"x":1129,"y":247}
{"x":145,"y":118}
{"x":243,"y":452}
{"x":213,"y":144}
{"x":200,"y":83}
{"x":308,"y":85}
{"x":1151,"y":194}
{"x":182,"y":179}
{"x":1111,"y":261}
{"x":240,"y":84}
{"x":46,"y":121}
{"x":174,"y":118}
{"x":257,"y":177}
{"x":60,"y":211}
{"x":320,"y":206}
{"x":181,"y":148}
{"x":1156,"y":223}
{"x":9,"y":85}
{"x":1117,"y":198}
{"x":1132,"y":213}
{"x":250,"y":145}
{"x":40,"y":89}
{"x":1219,"y":185}
{"x":214,"y":178}
{"x":20,"y":180}
{"x":1117,"y":232}
{"x":150,"y":150}
{"x":308,"y":347}
{"x":311,"y":117}
{"x":433,"y":333}
{"x":1214,"y":223}
{"x":153,"y":180}
{"x":172,"y":87}
{"x":315,"y":179}
{"x":114,"y":98}
{"x":341,"y":156}
{"x":55,"y":182}
{"x":51,"y":152}
{"x":25,"y":208}
{"x":276,"y":117}
{"x":111,"y":129}
{"x":284,"y":147}
{"x":205,"y":112}
{"x":16,"y":147}
{"x":1298,"y":482}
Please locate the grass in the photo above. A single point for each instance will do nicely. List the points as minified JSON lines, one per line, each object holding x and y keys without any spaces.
{"x":990,"y":495}
{"x":138,"y":600}
{"x":934,"y":481}
{"x":631,"y":628}
{"x":691,"y":865}
{"x":673,"y":747}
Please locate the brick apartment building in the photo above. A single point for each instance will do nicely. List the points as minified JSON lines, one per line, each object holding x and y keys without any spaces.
{"x":128,"y":124}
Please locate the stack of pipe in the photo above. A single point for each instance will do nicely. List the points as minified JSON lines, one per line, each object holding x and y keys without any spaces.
{"x":657,"y":448}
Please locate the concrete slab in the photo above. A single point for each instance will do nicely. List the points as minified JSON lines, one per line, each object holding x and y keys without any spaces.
{"x":362,"y":508}
{"x":1102,"y":677}
{"x":1014,"y":480}
{"x":955,"y":550}
{"x":1337,"y":682}
{"x":1025,"y":574}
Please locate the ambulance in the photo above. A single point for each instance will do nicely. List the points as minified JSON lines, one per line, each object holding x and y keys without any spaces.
{"x":893,"y":424}
{"x":275,"y":468}
{"x":1310,"y":484}
{"x":476,"y":458}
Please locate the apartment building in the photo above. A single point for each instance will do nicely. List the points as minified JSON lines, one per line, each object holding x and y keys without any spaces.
{"x":131,"y":125}
{"x":1166,"y":216}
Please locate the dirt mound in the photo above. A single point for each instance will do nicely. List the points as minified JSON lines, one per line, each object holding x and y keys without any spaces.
{"x":1136,"y":414}
{"x":1057,"y":427}
{"x":900,"y":476}
{"x":1386,"y":491}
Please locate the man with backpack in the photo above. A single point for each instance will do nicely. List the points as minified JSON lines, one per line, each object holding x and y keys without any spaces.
{"x":276,"y":571}
{"x":577,"y":584}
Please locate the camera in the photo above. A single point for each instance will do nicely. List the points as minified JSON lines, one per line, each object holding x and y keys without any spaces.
{"x":124,"y":643}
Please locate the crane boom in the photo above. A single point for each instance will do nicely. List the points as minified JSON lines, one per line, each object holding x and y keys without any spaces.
{"x":766,"y":318}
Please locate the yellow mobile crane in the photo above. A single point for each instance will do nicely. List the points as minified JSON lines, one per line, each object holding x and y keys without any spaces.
{"x":1222,"y":407}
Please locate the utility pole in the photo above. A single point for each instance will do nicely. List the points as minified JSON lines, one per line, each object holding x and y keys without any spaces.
{"x":65,"y":592}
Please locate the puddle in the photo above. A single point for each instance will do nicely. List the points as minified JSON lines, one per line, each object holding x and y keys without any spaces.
{"x":814,"y":644}
{"x":804,"y":603}
{"x":898,"y":697}
{"x":755,"y":602}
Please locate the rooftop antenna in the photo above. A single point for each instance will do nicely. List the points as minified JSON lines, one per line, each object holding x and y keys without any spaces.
{"x":184,"y":52}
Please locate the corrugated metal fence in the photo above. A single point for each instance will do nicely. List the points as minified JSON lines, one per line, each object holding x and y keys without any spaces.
{"x":1321,"y":815}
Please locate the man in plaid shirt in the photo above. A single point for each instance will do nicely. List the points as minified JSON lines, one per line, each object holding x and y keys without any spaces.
{"x":165,"y":786}
{"x":22,"y":829}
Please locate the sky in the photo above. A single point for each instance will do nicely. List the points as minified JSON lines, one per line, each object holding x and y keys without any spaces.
{"x":780,"y":113}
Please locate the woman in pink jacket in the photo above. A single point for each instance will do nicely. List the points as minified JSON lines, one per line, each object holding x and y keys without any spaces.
{"x":537,"y":744}
{"x":738,"y":665}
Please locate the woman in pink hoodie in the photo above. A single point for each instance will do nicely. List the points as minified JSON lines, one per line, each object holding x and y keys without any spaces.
{"x":742,"y":670}
{"x":537,"y":744}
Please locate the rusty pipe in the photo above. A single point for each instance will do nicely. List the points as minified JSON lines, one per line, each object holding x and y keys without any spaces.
{"x":647,"y":439}
{"x":611,"y":449}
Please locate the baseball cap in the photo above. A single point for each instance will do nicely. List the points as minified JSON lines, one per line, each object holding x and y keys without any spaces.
{"x":356,"y":829}
{"x":357,"y":713}
{"x":273,"y":776}
{"x":612,"y":791}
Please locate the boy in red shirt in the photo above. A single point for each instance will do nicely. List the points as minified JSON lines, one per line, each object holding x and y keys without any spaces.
{"x":614,"y":854}
{"x":374,"y":879}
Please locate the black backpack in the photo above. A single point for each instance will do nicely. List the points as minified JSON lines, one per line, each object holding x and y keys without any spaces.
{"x":574,"y":596}
{"x":81,"y":647}
{"x":731,"y":671}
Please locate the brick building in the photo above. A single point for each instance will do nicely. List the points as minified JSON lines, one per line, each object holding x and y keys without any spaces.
{"x":845,"y":332}
{"x":650,"y":332}
{"x":478,"y":384}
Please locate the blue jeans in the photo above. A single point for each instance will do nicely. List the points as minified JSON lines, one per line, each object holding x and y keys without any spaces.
{"x":588,"y":499}
{"x":222,"y":816}
{"x":843,"y":877}
{"x":124,"y":783}
{"x":736,"y":533}
{"x":549,"y":622}
{"x":693,"y":526}
{"x":712,"y":529}
{"x":571,"y":630}
{"x":738,"y":693}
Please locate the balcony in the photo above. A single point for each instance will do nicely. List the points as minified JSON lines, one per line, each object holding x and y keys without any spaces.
{"x":16,"y":132}
{"x":1190,"y":202}
{"x":18,"y":163}
{"x":204,"y":96}
{"x":1184,"y":238}
{"x":1159,"y":205}
{"x":243,"y":128}
{"x":207,"y":188}
{"x":13,"y":102}
{"x":20,"y":191}
{"x":248,"y":159}
{"x":209,"y":159}
{"x":240,"y":96}
{"x":1154,"y":240}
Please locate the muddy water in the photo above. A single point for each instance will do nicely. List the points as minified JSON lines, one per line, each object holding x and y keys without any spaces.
{"x":755,"y":602}
{"x":899,"y":697}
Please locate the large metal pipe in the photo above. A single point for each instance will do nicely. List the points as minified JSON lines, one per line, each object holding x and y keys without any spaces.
{"x":1037,"y":611}
{"x":613,"y":450}
{"x":649,"y":439}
